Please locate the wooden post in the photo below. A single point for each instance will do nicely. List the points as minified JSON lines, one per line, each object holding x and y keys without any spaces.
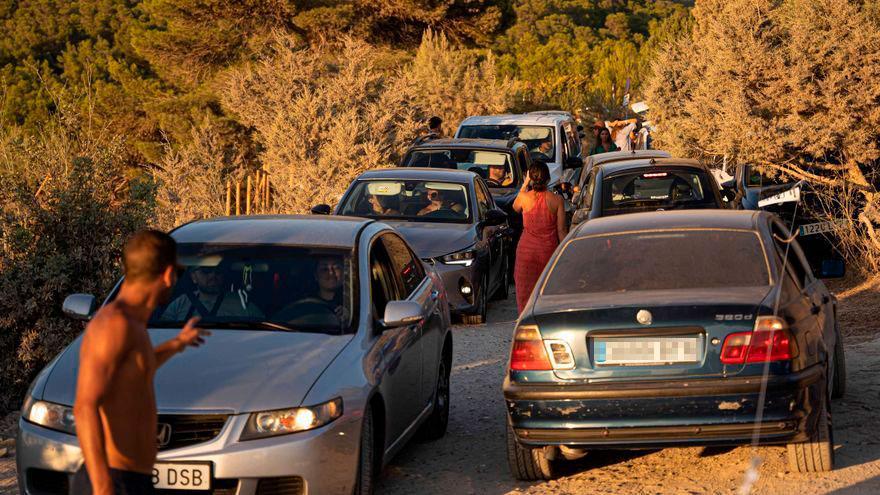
{"x":247,"y":204}
{"x":228,"y":197}
{"x":268,"y":197}
{"x":237,"y":197}
{"x":258,"y":193}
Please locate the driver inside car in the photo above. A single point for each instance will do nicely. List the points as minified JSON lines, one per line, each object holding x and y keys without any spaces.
{"x":438,"y":202}
{"x":329,"y":273}
{"x":210,"y":298}
{"x":498,"y":176}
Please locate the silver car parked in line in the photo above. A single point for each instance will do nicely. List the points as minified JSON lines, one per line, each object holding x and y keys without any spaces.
{"x":330,"y":349}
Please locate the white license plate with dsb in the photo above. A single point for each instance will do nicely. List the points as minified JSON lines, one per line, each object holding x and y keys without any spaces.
{"x":645,"y":351}
{"x":182,"y":476}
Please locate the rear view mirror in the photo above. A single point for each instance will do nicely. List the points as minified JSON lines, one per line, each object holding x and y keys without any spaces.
{"x":494,"y":217}
{"x":402,"y":313}
{"x":79,"y":306}
{"x":832,"y":269}
{"x":321,"y":209}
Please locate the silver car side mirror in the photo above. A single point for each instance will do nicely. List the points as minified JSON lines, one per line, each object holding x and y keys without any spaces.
{"x":402,"y":313}
{"x":79,"y":306}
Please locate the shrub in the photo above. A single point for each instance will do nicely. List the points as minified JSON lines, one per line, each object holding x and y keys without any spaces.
{"x":66,"y":209}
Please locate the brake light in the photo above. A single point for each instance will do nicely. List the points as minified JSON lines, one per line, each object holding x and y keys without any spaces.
{"x":653,"y":175}
{"x":769,"y":341}
{"x":528,"y":352}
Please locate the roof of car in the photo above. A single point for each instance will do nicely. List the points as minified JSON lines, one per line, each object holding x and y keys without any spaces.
{"x":619,"y":156}
{"x":498,"y":144}
{"x":419,"y":173}
{"x":516,"y":119}
{"x":671,"y":220}
{"x":623,"y":166}
{"x":290,"y":230}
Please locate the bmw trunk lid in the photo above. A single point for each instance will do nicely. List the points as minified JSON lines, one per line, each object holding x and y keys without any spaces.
{"x":641,"y":335}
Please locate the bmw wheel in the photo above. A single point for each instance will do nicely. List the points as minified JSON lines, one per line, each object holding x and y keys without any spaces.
{"x":526,"y":463}
{"x":816,"y":454}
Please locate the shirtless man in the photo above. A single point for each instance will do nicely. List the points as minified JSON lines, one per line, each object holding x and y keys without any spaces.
{"x":115,"y":406}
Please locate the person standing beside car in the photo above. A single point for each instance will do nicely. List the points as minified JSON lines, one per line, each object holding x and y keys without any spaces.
{"x":115,"y":405}
{"x":543,"y":229}
{"x":604,"y":144}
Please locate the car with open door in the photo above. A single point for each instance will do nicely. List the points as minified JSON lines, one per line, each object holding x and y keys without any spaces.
{"x":646,"y":184}
{"x":637,"y":337}
{"x":452,"y":222}
{"x":330,"y":349}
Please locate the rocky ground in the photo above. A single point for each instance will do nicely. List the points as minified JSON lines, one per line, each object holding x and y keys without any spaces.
{"x":471,"y":458}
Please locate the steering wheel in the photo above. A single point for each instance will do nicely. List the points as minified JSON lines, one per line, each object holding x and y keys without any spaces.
{"x":493,"y":182}
{"x":311,"y":312}
{"x":443,"y":212}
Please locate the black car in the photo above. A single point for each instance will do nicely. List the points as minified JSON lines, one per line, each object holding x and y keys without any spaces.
{"x":465,"y":238}
{"x":674,"y":329}
{"x":646,"y":185}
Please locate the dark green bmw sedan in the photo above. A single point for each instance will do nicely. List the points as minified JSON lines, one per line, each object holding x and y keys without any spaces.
{"x":675,"y":328}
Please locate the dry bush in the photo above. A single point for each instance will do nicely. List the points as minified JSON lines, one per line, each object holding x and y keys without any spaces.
{"x":791,"y":86}
{"x":324,"y":114}
{"x":65,"y":209}
{"x":192,"y":177}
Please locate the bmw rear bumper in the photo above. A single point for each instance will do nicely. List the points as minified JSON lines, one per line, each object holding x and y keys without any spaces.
{"x":323,"y":460}
{"x":668,"y":413}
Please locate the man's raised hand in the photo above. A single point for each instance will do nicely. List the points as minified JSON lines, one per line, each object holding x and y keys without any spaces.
{"x":191,"y":335}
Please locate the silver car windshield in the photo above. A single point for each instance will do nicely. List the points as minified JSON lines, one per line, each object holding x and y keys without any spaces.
{"x":412,"y":200}
{"x":265,"y":287}
{"x":659,"y":260}
{"x":538,"y":138}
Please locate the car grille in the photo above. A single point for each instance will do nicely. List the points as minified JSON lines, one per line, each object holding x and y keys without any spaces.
{"x":292,"y":485}
{"x":190,"y":429}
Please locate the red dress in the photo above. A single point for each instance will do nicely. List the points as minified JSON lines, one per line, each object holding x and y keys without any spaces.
{"x":537,"y":243}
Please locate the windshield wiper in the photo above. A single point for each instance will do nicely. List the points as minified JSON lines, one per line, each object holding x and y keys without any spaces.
{"x":248,"y":325}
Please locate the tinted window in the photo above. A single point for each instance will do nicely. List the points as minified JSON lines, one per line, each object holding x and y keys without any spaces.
{"x":484,"y":204}
{"x":406,"y":266}
{"x":494,"y":165}
{"x":538,"y":138}
{"x":652,"y":189}
{"x":415,"y":200}
{"x":384,"y":286}
{"x":231,"y":286}
{"x":659,"y":260}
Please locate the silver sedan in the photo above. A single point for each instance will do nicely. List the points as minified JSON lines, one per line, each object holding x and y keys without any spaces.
{"x":330,"y":350}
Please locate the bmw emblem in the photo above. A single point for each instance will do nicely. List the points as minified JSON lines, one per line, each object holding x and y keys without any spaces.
{"x":644,"y":317}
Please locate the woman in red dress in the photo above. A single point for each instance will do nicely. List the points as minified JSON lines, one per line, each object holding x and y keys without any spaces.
{"x":543,"y":229}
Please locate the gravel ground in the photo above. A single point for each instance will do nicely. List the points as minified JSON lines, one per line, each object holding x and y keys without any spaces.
{"x":471,"y":458}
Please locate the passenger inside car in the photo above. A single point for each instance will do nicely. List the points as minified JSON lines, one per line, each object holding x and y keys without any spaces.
{"x":325,"y":304}
{"x":385,"y":205}
{"x":438,"y":202}
{"x":498,"y":176}
{"x":211,"y":296}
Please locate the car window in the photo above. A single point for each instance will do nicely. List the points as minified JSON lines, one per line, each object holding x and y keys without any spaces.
{"x":493,"y":166}
{"x":571,"y":136}
{"x":407,"y":268}
{"x":384,"y":286}
{"x":484,"y":204}
{"x":538,"y":138}
{"x":790,"y":254}
{"x":524,"y":160}
{"x":589,"y":190}
{"x":413,"y":200}
{"x":659,"y":260}
{"x":653,"y":189}
{"x":270,"y":287}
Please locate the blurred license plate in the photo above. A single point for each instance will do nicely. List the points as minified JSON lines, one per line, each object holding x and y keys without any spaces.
{"x":182,"y":476}
{"x":643,"y":351}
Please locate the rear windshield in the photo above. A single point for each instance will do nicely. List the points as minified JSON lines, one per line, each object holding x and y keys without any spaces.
{"x":653,"y":189}
{"x":493,"y":166}
{"x":538,"y":138}
{"x":659,"y":260}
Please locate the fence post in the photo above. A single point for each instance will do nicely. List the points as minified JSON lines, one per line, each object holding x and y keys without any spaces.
{"x":258,"y":193}
{"x":238,"y":196}
{"x":247,"y":204}
{"x":228,"y":197}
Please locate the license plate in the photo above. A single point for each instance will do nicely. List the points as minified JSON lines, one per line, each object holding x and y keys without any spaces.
{"x":644,"y":351}
{"x":182,"y":476}
{"x":821,"y":227}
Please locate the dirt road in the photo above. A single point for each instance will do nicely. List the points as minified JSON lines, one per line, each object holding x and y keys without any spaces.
{"x":471,"y":458}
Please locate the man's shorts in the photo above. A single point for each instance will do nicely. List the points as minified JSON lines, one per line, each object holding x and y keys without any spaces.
{"x":124,"y":483}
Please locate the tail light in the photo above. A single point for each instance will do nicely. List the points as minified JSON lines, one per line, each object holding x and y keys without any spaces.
{"x":769,"y":341}
{"x":528,"y":352}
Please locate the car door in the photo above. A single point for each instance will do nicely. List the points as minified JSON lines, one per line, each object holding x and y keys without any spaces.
{"x":585,"y":200}
{"x":821,"y":304}
{"x":797,"y":301}
{"x":400,"y":347}
{"x":421,"y":289}
{"x":491,"y":236}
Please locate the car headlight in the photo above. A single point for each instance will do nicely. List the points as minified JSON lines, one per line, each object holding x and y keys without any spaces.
{"x":465,"y":258}
{"x":285,"y":421}
{"x":49,"y":415}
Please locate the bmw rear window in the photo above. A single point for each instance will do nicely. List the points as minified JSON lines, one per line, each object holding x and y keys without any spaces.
{"x":656,"y":189}
{"x":659,"y":260}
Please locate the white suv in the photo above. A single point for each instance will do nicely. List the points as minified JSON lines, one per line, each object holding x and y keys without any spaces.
{"x":553,"y":134}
